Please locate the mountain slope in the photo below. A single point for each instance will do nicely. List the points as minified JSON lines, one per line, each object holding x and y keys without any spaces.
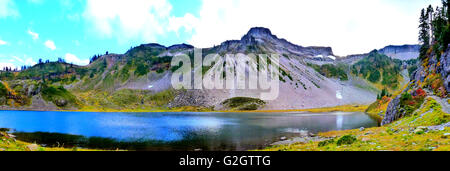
{"x":142,"y":76}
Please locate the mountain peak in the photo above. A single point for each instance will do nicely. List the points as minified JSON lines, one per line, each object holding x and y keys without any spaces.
{"x":259,"y":32}
{"x":180,"y":46}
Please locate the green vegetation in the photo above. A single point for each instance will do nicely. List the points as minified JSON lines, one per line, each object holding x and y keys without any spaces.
{"x":8,"y":143}
{"x":331,"y":71}
{"x":92,"y":87}
{"x":378,"y":108}
{"x":406,"y":134}
{"x":284,"y":73}
{"x":243,"y":103}
{"x":141,"y":69}
{"x":411,"y":69}
{"x":326,"y":142}
{"x":436,"y":84}
{"x":437,"y":24}
{"x":59,"y":96}
{"x":346,"y":140}
{"x":409,"y":102}
{"x":383,"y":93}
{"x":3,"y":90}
{"x":3,"y":93}
{"x":412,"y":66}
{"x":374,"y":76}
{"x":430,"y":114}
{"x":126,"y":100}
{"x":378,"y":67}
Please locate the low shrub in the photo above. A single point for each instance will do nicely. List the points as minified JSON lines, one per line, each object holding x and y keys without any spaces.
{"x":346,"y":140}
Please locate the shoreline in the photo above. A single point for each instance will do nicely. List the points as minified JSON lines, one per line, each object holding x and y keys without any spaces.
{"x":344,"y":108}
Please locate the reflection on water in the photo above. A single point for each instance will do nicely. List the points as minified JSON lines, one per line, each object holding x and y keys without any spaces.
{"x":339,"y":121}
{"x":172,"y":131}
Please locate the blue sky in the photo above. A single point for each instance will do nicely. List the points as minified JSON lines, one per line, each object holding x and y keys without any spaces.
{"x":77,"y":29}
{"x":32,"y":24}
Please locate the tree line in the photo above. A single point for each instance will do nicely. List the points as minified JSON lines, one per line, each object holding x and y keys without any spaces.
{"x":434,"y":31}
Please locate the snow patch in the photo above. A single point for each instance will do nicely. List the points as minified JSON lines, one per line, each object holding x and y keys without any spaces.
{"x":339,"y":95}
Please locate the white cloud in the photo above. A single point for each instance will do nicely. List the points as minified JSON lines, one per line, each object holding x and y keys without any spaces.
{"x":50,"y":44}
{"x":2,"y":42}
{"x":188,"y":22}
{"x":34,"y":35}
{"x":9,"y":65}
{"x":71,"y":58}
{"x":8,"y":9}
{"x":18,"y":59}
{"x":28,"y":61}
{"x":131,"y":19}
{"x":348,"y":26}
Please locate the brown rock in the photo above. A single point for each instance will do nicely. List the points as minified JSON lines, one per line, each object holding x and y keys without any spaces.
{"x":32,"y":147}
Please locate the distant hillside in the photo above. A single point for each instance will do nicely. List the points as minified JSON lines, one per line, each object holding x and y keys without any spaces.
{"x":379,"y":68}
{"x":139,"y":80}
{"x":402,"y":52}
{"x":430,"y":78}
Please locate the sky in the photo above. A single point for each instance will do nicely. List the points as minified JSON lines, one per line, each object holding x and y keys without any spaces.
{"x":75,"y":30}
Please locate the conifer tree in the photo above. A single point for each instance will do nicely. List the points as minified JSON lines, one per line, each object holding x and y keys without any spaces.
{"x":424,"y":37}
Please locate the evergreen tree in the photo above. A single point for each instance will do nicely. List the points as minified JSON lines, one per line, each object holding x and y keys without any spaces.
{"x":439,"y":24}
{"x":430,"y":12}
{"x":445,"y":11}
{"x":424,"y":37}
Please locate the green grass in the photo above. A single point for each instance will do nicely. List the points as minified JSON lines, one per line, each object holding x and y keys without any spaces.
{"x":142,"y":69}
{"x":398,"y":136}
{"x":59,"y":96}
{"x":243,"y":103}
{"x":430,"y":114}
{"x":3,"y":90}
{"x":10,"y":144}
{"x":331,"y":71}
{"x":379,"y":68}
{"x":126,"y":100}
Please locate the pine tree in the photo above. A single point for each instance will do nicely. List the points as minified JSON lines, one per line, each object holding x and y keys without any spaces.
{"x":445,"y":11}
{"x":439,"y":24}
{"x":424,"y":37}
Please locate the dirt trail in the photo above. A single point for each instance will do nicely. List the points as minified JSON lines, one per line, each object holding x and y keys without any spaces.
{"x":441,"y":101}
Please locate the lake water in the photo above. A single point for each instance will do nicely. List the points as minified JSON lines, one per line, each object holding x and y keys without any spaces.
{"x":172,"y":131}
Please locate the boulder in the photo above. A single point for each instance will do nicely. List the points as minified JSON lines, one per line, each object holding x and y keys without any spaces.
{"x":32,"y":147}
{"x":61,"y":103}
{"x":423,"y":128}
{"x":419,"y":131}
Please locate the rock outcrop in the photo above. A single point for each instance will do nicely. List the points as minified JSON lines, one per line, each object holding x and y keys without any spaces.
{"x":403,"y":52}
{"x":444,"y":68}
{"x":393,"y":112}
